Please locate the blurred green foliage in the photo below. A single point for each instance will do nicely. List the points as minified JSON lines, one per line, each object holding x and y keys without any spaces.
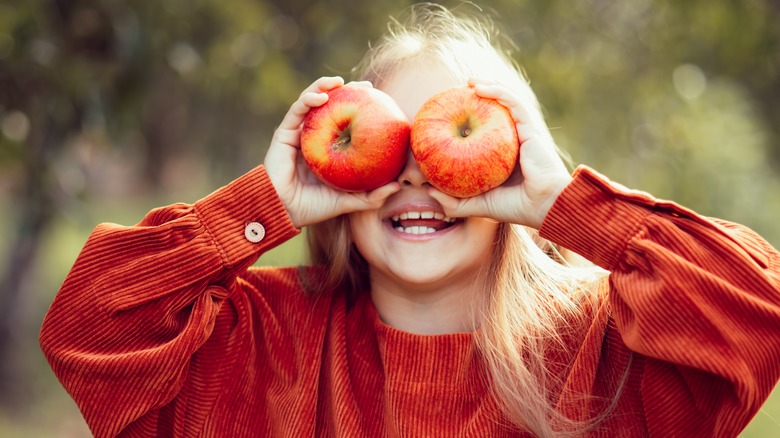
{"x":109,"y":108}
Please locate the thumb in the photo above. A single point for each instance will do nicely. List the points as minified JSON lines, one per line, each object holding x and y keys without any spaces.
{"x":367,"y":200}
{"x":377,"y":197}
{"x":453,"y":207}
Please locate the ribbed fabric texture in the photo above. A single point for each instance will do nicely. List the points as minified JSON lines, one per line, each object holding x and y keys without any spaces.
{"x":164,"y":329}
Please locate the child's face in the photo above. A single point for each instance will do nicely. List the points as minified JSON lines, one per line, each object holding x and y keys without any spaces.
{"x":450,"y":255}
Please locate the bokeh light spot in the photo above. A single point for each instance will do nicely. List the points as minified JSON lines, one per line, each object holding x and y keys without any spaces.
{"x":689,"y":81}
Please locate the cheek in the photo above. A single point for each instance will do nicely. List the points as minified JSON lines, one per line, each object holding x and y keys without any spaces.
{"x":361,"y":223}
{"x":483,"y":230}
{"x":364,"y":229}
{"x":484,"y":235}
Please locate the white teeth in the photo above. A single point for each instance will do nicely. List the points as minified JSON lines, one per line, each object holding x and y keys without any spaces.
{"x":422,"y":215}
{"x":416,"y":230}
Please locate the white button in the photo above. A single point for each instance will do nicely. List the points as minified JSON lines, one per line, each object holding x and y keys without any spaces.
{"x":254,"y":232}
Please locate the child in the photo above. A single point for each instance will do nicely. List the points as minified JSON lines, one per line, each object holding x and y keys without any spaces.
{"x":481,"y":328}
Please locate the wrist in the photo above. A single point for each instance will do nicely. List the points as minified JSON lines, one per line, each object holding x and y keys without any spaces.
{"x":553,"y":192}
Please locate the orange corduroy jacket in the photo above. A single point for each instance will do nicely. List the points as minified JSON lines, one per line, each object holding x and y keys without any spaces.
{"x":165,"y":329}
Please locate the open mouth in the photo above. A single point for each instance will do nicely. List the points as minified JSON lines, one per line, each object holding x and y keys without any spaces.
{"x":421,"y":222}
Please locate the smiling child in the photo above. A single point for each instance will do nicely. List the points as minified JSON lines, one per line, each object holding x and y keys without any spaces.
{"x":558,"y":304}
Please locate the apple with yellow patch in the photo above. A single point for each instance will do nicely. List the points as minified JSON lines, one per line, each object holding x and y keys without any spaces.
{"x":357,"y":141}
{"x":464,"y":144}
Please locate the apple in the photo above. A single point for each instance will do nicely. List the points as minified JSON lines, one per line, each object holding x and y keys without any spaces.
{"x":464,"y":144}
{"x":357,"y":141}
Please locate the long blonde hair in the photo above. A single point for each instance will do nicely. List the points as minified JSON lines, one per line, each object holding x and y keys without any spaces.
{"x":537,"y":304}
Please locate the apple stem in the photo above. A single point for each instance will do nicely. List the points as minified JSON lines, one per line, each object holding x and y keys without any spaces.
{"x":464,"y":127}
{"x":340,"y":142}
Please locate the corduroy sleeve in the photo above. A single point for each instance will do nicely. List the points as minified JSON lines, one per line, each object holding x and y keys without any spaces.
{"x":140,"y":300}
{"x":700,"y":298}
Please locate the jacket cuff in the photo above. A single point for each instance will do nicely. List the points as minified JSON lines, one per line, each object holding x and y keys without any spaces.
{"x":246,"y":202}
{"x":595,"y":217}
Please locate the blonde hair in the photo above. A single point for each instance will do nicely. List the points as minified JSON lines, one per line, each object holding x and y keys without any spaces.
{"x":537,"y":304}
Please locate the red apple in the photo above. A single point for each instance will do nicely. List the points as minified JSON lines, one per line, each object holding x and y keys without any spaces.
{"x":357,"y":141}
{"x":464,"y":144}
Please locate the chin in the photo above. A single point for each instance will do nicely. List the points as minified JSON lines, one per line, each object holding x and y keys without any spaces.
{"x":453,"y":251}
{"x":421,"y":275}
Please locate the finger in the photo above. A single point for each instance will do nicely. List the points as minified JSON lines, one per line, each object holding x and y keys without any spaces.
{"x":453,"y":207}
{"x":324,"y":84}
{"x":360,"y":84}
{"x":530,"y":122}
{"x":290,"y":137}
{"x":374,"y":199}
{"x":278,"y":154}
{"x":489,"y":90}
{"x":288,"y":131}
{"x":294,"y":117}
{"x":474,"y":81}
{"x":314,"y":95}
{"x":520,"y":110}
{"x":538,"y":154}
{"x":528,"y":132}
{"x":378,"y":196}
{"x":312,"y":100}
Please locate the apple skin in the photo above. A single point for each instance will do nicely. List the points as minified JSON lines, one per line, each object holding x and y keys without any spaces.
{"x":357,"y":141}
{"x":464,"y":144}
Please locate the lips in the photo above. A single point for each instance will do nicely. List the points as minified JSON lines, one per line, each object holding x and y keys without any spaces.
{"x":420,"y":222}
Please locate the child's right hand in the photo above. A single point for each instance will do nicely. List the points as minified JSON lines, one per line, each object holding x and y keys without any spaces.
{"x":307,"y":200}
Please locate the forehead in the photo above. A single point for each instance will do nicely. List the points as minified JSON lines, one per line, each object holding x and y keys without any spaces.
{"x":411,"y":85}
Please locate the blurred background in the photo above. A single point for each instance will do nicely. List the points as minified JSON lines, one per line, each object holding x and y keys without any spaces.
{"x":109,"y":108}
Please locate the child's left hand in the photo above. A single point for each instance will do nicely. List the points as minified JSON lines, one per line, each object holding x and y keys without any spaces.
{"x":538,"y":179}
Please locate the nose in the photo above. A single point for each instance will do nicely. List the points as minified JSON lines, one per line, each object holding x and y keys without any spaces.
{"x":411,"y":176}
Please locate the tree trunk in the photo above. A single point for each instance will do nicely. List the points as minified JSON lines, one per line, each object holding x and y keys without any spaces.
{"x":36,"y":208}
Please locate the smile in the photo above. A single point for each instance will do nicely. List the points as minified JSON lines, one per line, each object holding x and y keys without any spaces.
{"x":421,"y":222}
